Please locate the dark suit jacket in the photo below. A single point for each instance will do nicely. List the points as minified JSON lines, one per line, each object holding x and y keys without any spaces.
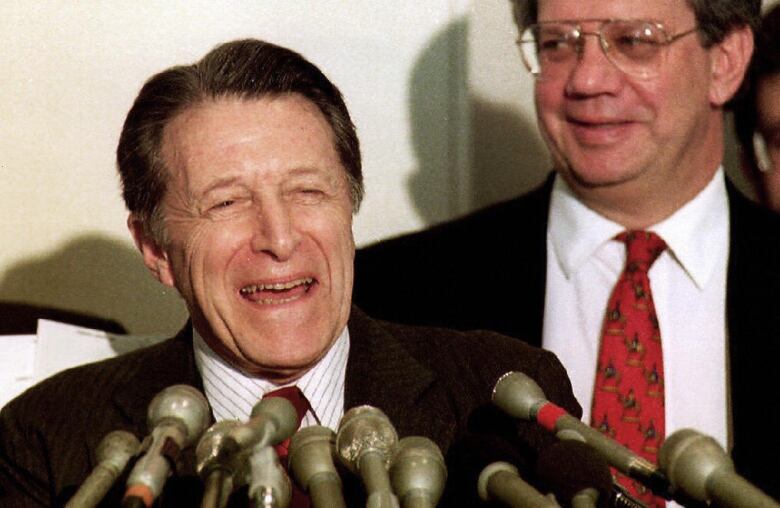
{"x":430,"y":382}
{"x":487,"y":271}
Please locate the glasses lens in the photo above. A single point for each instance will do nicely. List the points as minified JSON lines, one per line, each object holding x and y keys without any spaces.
{"x":634,"y":46}
{"x":545,"y":48}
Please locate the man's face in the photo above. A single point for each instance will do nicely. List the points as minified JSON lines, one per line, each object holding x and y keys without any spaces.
{"x":258,"y":218}
{"x":606,"y":128}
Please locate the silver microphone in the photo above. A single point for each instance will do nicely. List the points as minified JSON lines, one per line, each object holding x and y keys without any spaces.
{"x":178,"y":415}
{"x":112,"y":455}
{"x":311,"y":463}
{"x":273,"y":420}
{"x":417,"y":472}
{"x":218,"y":470}
{"x":520,"y":397}
{"x":696,"y":464}
{"x":269,"y":485}
{"x":364,"y":443}
{"x":501,"y":482}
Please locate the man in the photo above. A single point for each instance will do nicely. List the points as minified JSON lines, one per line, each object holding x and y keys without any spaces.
{"x":630,"y":97}
{"x":241,"y":173}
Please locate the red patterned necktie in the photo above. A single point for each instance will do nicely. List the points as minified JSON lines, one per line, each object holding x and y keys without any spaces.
{"x":302,"y":406}
{"x":628,"y":397}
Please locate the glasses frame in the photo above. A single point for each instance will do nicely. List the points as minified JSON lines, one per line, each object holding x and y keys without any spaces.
{"x":599,"y":33}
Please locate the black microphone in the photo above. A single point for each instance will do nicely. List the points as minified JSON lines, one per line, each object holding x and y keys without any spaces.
{"x":218,"y":470}
{"x":501,"y":482}
{"x":520,"y":397}
{"x":697,"y":465}
{"x":178,"y":415}
{"x":417,"y":472}
{"x":311,"y":463}
{"x":112,"y":455}
{"x":576,"y":474}
{"x":365,"y":443}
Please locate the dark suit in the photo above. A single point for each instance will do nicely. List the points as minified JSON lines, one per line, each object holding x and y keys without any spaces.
{"x":430,"y":382}
{"x":487,"y":271}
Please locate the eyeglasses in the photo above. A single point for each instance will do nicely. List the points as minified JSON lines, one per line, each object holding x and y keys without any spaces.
{"x":637,"y":47}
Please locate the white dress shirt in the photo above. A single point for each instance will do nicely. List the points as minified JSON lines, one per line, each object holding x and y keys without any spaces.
{"x":688,"y":283}
{"x":232,"y":392}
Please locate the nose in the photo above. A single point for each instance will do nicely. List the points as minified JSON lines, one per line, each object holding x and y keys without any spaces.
{"x":275,"y":232}
{"x":592,"y":73}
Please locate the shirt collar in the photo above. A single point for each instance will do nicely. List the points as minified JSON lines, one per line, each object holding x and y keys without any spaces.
{"x":696,"y":234}
{"x":232,"y":392}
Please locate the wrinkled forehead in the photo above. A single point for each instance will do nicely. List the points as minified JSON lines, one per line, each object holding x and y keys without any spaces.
{"x":671,"y":12}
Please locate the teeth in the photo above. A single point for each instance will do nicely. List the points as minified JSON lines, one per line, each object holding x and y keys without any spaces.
{"x":279,"y":286}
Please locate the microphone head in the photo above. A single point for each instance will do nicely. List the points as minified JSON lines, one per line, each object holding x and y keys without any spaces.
{"x":689,"y":458}
{"x":282,"y":413}
{"x":311,"y":454}
{"x":567,"y":468}
{"x":185,"y":405}
{"x":418,"y":468}
{"x":117,"y":444}
{"x":211,"y":452}
{"x":364,"y":429}
{"x":518,"y":395}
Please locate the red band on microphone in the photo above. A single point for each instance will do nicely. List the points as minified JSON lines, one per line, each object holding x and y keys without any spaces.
{"x":548,"y":416}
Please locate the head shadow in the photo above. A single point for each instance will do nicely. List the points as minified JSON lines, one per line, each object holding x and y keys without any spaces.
{"x":95,"y":275}
{"x":504,"y":156}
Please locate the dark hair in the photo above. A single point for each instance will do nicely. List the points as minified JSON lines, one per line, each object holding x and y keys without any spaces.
{"x":246,"y":69}
{"x":715,"y":18}
{"x":766,"y":62}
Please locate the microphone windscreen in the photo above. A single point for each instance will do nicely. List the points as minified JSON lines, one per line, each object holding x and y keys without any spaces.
{"x":566,"y":468}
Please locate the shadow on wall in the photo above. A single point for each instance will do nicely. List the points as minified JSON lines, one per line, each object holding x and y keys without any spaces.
{"x":505,"y":156}
{"x":99,"y":276}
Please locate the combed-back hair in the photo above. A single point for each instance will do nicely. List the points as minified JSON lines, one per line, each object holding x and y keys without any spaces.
{"x":246,"y":69}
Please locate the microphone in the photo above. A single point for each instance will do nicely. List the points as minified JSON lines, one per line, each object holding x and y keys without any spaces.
{"x":177,"y":415}
{"x":112,"y":455}
{"x":697,"y":465}
{"x":273,"y":420}
{"x":311,"y":463}
{"x":269,"y":485}
{"x":417,"y":472}
{"x":520,"y":397}
{"x":217,"y":469}
{"x":501,"y":482}
{"x":576,"y":474}
{"x":364,"y":442}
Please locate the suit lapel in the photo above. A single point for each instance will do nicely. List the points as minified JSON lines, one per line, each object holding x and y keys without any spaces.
{"x":382,"y":373}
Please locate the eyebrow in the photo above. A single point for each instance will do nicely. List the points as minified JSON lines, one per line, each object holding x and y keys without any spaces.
{"x":218,"y":184}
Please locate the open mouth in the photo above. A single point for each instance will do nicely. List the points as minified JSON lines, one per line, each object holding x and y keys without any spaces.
{"x":277,"y":293}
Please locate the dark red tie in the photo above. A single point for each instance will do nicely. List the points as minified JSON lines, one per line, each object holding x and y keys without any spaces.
{"x":628,"y":397}
{"x":302,"y":406}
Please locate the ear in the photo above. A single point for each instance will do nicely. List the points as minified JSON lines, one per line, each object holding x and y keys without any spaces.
{"x":154,"y":255}
{"x":730,"y":60}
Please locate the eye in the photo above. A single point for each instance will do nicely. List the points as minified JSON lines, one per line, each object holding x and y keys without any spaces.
{"x":224,"y":204}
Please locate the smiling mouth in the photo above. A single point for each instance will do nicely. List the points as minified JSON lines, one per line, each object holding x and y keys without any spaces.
{"x":278,"y":293}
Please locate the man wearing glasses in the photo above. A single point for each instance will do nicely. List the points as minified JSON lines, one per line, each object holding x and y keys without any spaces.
{"x":638,"y":262}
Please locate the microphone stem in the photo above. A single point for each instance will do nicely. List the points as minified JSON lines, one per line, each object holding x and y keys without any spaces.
{"x":133,"y":502}
{"x":326,"y":493}
{"x":216,"y":491}
{"x":417,"y":501}
{"x":736,"y":492}
{"x":372,"y":469}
